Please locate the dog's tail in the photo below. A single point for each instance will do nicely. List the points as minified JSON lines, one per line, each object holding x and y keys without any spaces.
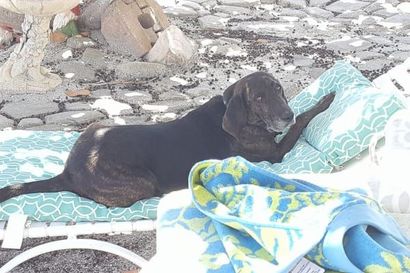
{"x":54,"y":184}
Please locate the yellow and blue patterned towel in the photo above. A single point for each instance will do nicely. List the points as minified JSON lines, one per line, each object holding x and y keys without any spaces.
{"x":242,"y":218}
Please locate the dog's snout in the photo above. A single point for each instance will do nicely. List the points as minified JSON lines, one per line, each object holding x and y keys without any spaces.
{"x":288,"y":116}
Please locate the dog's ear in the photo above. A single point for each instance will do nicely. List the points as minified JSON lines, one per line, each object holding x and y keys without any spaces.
{"x":236,"y":114}
{"x":228,"y":93}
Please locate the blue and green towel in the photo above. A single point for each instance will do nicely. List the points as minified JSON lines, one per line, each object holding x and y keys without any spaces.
{"x":242,"y":218}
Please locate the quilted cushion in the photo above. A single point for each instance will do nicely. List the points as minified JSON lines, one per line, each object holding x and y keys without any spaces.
{"x":30,"y":156}
{"x":358,"y":112}
{"x":303,"y":158}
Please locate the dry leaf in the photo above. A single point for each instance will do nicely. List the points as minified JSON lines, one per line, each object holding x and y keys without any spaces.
{"x":85,"y":34}
{"x":58,"y":37}
{"x":262,"y":41}
{"x":78,"y":93}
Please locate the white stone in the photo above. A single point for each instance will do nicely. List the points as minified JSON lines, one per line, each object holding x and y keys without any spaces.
{"x":67,"y":54}
{"x":111,"y":106}
{"x":166,"y":3}
{"x":172,"y":47}
{"x":404,"y":7}
{"x":155,"y":108}
{"x":178,"y":80}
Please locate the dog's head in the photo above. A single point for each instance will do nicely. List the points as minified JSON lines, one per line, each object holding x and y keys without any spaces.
{"x":257,"y":99}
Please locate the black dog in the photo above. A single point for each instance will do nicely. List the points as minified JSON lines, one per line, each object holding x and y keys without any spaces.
{"x":117,"y":166}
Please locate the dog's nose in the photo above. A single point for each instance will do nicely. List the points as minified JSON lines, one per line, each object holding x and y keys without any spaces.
{"x":288,"y":116}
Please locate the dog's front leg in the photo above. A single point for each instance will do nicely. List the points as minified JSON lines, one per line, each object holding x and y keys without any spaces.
{"x":254,"y":143}
{"x":292,"y":136}
{"x":254,"y":135}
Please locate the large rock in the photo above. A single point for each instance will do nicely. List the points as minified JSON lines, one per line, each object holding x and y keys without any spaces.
{"x":11,"y":19}
{"x":172,"y":47}
{"x":90,"y":18}
{"x":126,"y":27}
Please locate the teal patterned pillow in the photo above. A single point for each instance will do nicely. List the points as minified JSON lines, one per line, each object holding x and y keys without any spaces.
{"x":303,"y":158}
{"x":30,"y":156}
{"x":358,"y":112}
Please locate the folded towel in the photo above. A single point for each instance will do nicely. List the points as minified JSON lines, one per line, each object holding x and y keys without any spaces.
{"x":245,"y":219}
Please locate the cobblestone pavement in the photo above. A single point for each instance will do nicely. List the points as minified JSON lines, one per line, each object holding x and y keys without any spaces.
{"x":295,"y":40}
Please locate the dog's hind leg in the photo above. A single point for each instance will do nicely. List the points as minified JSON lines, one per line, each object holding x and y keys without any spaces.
{"x":54,"y":184}
{"x":119,"y":190}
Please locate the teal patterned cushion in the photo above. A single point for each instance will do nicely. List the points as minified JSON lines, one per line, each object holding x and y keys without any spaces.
{"x":358,"y":112}
{"x":30,"y":156}
{"x":303,"y":158}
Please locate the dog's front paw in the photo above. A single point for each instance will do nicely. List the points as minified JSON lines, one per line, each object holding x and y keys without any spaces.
{"x":325,"y":102}
{"x":321,"y":106}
